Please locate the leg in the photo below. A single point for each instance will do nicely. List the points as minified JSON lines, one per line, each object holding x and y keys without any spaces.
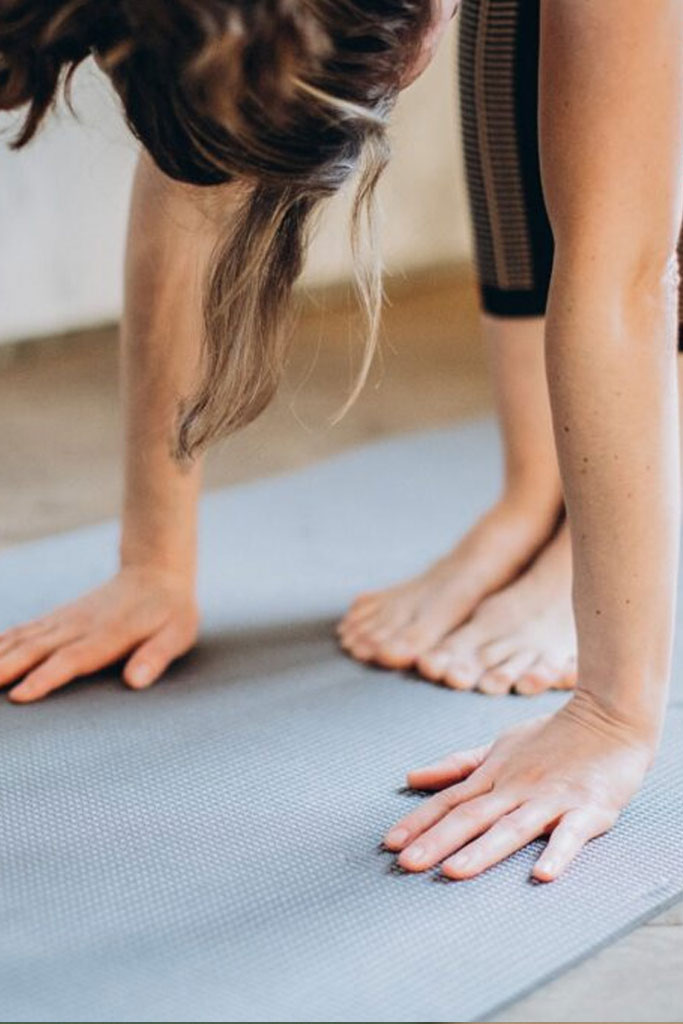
{"x":513,"y":244}
{"x":396,"y":626}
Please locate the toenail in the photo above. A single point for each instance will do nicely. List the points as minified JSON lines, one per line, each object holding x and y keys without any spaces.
{"x":461,"y":676}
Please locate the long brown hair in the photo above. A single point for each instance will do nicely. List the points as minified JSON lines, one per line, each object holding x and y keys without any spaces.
{"x":289,"y":96}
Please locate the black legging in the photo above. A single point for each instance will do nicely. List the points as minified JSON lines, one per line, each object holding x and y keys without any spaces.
{"x":498,"y":72}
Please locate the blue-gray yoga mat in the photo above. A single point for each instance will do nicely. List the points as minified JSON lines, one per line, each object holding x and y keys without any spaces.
{"x":207,"y":851}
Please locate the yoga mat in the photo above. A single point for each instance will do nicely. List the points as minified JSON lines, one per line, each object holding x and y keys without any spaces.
{"x":207,"y":850}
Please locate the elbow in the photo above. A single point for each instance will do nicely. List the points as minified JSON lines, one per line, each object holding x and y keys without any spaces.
{"x":639,"y":276}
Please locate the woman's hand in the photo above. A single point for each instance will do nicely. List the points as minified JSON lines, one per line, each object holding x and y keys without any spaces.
{"x":568,"y":775}
{"x":145,"y":613}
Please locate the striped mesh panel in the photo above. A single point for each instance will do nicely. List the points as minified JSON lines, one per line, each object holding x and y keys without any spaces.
{"x":498,"y":74}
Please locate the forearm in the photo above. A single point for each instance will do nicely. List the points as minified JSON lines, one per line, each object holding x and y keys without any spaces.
{"x":612,"y":375}
{"x":612,"y":180}
{"x":169,"y":242}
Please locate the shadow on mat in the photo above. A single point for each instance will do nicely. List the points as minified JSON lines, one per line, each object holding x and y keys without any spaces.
{"x":262,"y":652}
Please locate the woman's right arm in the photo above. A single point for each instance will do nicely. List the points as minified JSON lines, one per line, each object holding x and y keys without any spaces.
{"x":147,"y":613}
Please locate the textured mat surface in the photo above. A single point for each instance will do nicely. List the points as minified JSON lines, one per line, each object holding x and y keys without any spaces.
{"x":207,"y":851}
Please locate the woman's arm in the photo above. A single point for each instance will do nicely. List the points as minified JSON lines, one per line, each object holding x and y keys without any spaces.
{"x":611,"y":125}
{"x":611,"y":117}
{"x":147,"y":612}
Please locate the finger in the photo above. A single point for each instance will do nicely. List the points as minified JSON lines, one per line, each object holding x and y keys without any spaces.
{"x":70,"y":661}
{"x":433,"y":809}
{"x":153,"y":657}
{"x":459,"y":826}
{"x":25,"y":656}
{"x":451,"y":769}
{"x":510,"y":833}
{"x":21,"y":634}
{"x":567,"y":839}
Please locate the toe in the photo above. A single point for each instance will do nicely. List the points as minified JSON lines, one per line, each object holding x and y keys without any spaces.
{"x":356,"y":647}
{"x":568,"y":675}
{"x":408,"y":643}
{"x":359,"y":612}
{"x":463,"y":644}
{"x":539,"y":677}
{"x":396,"y":650}
{"x":434,"y":663}
{"x":462,"y":674}
{"x":495,"y":653}
{"x":457,"y":660}
{"x":495,"y":682}
{"x":375,"y":629}
{"x":503,"y":677}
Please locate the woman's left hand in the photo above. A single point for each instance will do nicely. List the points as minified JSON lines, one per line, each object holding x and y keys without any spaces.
{"x":569,"y":775}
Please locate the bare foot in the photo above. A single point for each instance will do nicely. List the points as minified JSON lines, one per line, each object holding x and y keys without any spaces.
{"x":395,"y":627}
{"x":521,"y":638}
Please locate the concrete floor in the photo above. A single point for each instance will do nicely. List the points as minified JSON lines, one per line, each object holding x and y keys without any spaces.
{"x":59,"y":468}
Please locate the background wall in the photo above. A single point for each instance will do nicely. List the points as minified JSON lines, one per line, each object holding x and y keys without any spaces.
{"x":63,"y":204}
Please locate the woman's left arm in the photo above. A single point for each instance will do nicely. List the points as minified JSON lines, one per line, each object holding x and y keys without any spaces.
{"x":611,"y":137}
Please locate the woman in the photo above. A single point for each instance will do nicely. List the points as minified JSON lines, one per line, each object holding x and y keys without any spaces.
{"x":261,"y":109}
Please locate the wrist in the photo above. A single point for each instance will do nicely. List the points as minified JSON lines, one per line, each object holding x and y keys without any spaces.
{"x":621,"y":716}
{"x":178,"y":560}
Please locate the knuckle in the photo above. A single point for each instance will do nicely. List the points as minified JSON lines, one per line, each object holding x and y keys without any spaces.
{"x":511,"y":827}
{"x":469,"y":812}
{"x":79,"y":621}
{"x":442,"y":802}
{"x":34,"y":649}
{"x":559,"y":790}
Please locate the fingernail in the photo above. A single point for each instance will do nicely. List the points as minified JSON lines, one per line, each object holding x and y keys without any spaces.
{"x":396,"y":837}
{"x":140,"y":675}
{"x":548,"y":867}
{"x":416,"y":854}
{"x":460,"y":862}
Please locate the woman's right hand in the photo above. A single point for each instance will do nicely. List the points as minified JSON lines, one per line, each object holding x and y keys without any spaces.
{"x":144,"y":614}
